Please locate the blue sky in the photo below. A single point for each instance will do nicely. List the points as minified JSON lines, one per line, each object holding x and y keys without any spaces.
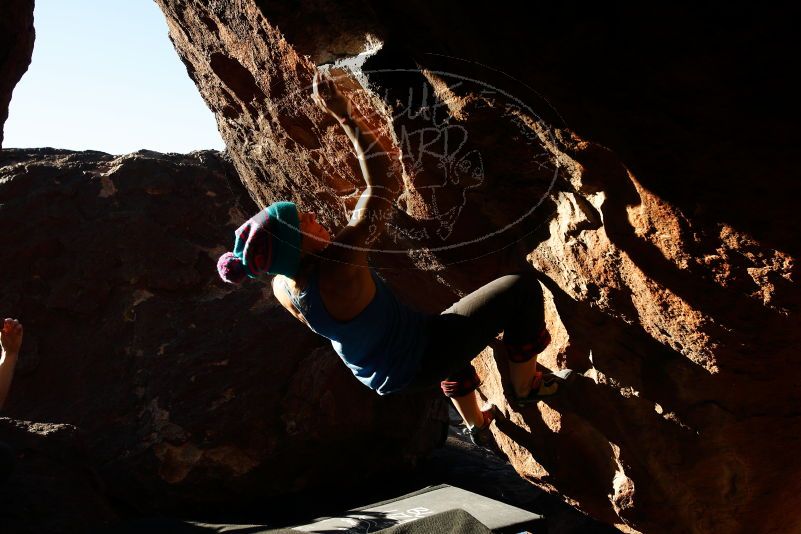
{"x":105,"y":76}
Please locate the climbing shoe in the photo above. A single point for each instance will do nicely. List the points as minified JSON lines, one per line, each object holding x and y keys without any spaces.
{"x":482,"y":436}
{"x":543,"y":385}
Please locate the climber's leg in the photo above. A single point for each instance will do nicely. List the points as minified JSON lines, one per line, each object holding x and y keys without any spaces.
{"x":468,"y":408}
{"x":512,"y":304}
{"x":522,"y":376}
{"x":523,"y":366}
{"x":461,"y":388}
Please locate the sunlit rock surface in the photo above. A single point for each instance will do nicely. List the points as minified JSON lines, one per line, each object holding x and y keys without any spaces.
{"x":668,"y":256}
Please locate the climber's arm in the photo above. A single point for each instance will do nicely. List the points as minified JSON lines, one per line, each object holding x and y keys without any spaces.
{"x":280,"y":291}
{"x":380,"y":168}
{"x":10,"y":342}
{"x":7,"y":363}
{"x":374,"y":208}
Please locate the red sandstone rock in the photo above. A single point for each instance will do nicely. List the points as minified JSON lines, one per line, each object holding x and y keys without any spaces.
{"x":670,"y":273}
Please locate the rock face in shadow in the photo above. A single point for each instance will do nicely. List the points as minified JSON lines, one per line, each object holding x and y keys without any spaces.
{"x":649,"y":183}
{"x":16,"y":48}
{"x":51,"y":486}
{"x":188,"y":393}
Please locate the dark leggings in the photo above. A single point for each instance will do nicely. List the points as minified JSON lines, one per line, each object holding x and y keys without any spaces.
{"x":512,"y":304}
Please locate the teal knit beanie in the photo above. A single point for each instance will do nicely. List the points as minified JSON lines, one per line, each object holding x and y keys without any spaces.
{"x":269,"y":242}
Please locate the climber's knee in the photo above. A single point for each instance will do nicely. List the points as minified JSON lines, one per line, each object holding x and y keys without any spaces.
{"x":521,"y":353}
{"x":527,"y":284}
{"x":461,"y":383}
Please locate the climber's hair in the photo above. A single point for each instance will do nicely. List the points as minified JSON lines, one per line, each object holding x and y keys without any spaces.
{"x":307,"y":265}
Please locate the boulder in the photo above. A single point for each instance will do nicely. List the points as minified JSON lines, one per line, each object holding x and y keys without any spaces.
{"x":51,"y":485}
{"x":188,"y":393}
{"x":633,"y":158}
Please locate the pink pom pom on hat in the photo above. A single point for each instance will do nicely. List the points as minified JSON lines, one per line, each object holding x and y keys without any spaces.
{"x":231,"y":268}
{"x":269,"y":242}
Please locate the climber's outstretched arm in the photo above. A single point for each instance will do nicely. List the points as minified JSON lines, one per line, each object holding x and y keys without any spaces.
{"x":10,"y":342}
{"x":380,"y":168}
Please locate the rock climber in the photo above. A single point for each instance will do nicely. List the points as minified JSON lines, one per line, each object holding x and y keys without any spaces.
{"x":390,"y":347}
{"x":10,"y":342}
